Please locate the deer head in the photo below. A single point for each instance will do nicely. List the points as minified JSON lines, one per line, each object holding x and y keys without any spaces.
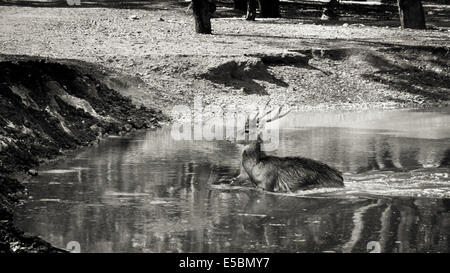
{"x":256,"y":124}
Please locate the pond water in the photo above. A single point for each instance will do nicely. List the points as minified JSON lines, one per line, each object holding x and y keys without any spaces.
{"x":151,"y":193}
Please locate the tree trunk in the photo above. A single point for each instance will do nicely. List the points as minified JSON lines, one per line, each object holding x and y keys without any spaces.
{"x":269,"y":8}
{"x":240,"y":5}
{"x":202,"y":16}
{"x":330,"y":10}
{"x":251,"y":10}
{"x":411,"y":14}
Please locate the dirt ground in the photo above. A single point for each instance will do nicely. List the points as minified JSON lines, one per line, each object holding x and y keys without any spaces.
{"x":298,"y":61}
{"x":71,"y":75}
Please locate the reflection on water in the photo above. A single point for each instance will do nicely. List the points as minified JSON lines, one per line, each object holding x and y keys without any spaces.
{"x":150,"y":193}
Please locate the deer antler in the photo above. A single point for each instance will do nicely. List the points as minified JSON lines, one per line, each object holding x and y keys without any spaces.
{"x":266,"y":113}
{"x":258,"y":119}
{"x":278,"y":115}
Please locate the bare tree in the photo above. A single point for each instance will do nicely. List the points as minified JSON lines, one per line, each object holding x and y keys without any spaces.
{"x":251,"y":10}
{"x":411,"y":14}
{"x":240,"y":5}
{"x":202,"y":15}
{"x":329,"y":12}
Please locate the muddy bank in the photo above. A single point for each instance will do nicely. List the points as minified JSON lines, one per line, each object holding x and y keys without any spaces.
{"x":47,"y":108}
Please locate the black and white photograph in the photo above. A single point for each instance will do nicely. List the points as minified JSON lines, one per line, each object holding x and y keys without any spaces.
{"x":224,"y":127}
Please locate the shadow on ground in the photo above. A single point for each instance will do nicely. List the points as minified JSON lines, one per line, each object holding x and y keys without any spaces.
{"x":309,"y":12}
{"x":420,"y":72}
{"x":244,"y":73}
{"x":423,"y":71}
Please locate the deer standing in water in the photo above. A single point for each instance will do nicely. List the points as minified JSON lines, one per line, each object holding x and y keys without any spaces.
{"x":282,"y":174}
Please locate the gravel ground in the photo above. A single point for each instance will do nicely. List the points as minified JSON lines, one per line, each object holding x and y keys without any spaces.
{"x":150,"y":53}
{"x":292,"y":61}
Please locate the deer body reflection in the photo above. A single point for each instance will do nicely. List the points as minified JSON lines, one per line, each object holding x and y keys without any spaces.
{"x":282,"y":174}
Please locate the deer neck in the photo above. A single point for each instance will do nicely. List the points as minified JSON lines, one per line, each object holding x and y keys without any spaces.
{"x":252,"y":155}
